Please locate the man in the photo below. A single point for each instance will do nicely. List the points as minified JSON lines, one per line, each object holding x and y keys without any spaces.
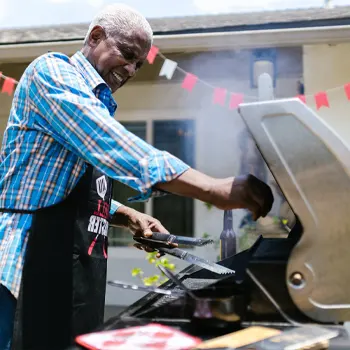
{"x":61,"y":150}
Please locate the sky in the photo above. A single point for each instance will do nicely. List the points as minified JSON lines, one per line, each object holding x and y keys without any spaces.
{"x":29,"y":13}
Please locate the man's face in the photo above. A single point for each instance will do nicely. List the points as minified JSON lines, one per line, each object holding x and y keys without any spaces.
{"x":117,"y":59}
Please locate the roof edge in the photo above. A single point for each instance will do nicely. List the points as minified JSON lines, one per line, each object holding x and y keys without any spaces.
{"x":197,"y":42}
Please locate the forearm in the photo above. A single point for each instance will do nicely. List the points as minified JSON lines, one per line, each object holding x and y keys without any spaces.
{"x":191,"y":183}
{"x":120,"y":217}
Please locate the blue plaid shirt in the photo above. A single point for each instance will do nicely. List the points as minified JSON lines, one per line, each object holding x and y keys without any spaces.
{"x":61,"y":118}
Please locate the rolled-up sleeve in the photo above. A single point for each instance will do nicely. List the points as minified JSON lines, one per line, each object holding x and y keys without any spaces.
{"x":159,"y":167}
{"x":114,"y":207}
{"x":68,"y":110}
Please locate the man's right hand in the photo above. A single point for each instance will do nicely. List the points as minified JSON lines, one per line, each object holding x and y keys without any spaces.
{"x":241,"y":192}
{"x":246,"y":192}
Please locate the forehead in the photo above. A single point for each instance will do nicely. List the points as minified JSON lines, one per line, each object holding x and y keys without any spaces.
{"x":138,"y":42}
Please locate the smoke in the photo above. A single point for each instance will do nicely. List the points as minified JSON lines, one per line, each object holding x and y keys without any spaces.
{"x":224,"y":147}
{"x":217,"y":127}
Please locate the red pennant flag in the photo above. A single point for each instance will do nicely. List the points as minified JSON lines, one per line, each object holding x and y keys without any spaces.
{"x":219,"y":96}
{"x":152,"y":54}
{"x":347,"y":90}
{"x":302,"y":98}
{"x":189,"y":81}
{"x":321,"y":99}
{"x":236,"y":100}
{"x":8,"y":86}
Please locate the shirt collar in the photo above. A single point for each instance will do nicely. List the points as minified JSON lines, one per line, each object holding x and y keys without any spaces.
{"x":88,"y":71}
{"x":91,"y":76}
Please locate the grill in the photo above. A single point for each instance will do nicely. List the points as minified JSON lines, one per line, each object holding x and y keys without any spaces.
{"x":310,"y":164}
{"x":191,"y":283}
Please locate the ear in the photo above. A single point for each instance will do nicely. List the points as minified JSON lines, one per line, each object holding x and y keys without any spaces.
{"x":96,"y":35}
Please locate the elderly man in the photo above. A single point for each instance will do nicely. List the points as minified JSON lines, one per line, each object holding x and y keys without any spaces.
{"x":61,"y":150}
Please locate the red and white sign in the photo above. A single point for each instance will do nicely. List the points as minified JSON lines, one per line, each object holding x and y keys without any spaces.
{"x":151,"y":337}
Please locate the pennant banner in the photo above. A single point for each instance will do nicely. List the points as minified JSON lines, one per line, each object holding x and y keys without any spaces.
{"x":189,"y":81}
{"x":321,"y":100}
{"x":347,"y":90}
{"x":236,"y":100}
{"x":9,"y":86}
{"x":219,"y":96}
{"x":153,"y":52}
{"x":168,"y":69}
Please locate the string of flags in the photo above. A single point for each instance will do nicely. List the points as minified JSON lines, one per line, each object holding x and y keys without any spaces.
{"x":220,"y":95}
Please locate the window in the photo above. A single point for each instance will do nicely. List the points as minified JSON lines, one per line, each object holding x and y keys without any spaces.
{"x":263,"y":61}
{"x":175,"y":213}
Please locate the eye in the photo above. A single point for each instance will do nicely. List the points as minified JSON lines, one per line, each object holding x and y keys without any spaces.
{"x":128,"y":54}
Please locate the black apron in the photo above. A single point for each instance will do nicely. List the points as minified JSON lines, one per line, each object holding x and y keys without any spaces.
{"x":63,"y":283}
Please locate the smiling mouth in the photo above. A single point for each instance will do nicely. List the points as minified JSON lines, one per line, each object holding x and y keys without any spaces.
{"x":118,"y":77}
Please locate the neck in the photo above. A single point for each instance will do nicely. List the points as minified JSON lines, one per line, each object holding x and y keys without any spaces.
{"x":87,"y":52}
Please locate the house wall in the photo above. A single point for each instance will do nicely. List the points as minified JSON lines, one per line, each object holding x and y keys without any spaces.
{"x":150,"y":97}
{"x":327,"y":67}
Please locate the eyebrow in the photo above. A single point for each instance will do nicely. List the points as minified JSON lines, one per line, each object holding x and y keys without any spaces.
{"x":125,"y":46}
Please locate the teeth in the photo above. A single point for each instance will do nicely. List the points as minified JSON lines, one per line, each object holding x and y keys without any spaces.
{"x":118,"y":77}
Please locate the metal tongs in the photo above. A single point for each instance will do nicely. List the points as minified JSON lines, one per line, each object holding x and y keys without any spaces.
{"x":166,"y":240}
{"x":165,"y":243}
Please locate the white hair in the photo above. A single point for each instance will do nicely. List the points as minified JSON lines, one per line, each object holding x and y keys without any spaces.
{"x":119,"y":19}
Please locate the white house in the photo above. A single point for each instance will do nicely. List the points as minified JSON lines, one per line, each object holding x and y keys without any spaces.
{"x":228,"y":51}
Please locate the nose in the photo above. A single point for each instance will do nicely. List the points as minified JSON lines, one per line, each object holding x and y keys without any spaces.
{"x":131,"y":69}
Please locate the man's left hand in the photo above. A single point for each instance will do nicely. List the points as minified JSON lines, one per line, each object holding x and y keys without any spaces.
{"x":139,"y":224}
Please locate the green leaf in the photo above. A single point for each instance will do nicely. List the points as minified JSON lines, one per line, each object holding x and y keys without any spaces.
{"x":164,"y":261}
{"x":155,"y":279}
{"x":136,"y":272}
{"x":208,"y":205}
{"x":205,"y":235}
{"x":151,"y":280}
{"x":171,"y":266}
{"x":147,"y":282}
{"x":151,"y":256}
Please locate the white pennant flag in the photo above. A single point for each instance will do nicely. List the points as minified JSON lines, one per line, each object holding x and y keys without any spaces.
{"x":168,"y":68}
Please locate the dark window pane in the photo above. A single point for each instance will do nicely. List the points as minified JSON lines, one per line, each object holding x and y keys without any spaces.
{"x":119,"y":236}
{"x":178,"y":138}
